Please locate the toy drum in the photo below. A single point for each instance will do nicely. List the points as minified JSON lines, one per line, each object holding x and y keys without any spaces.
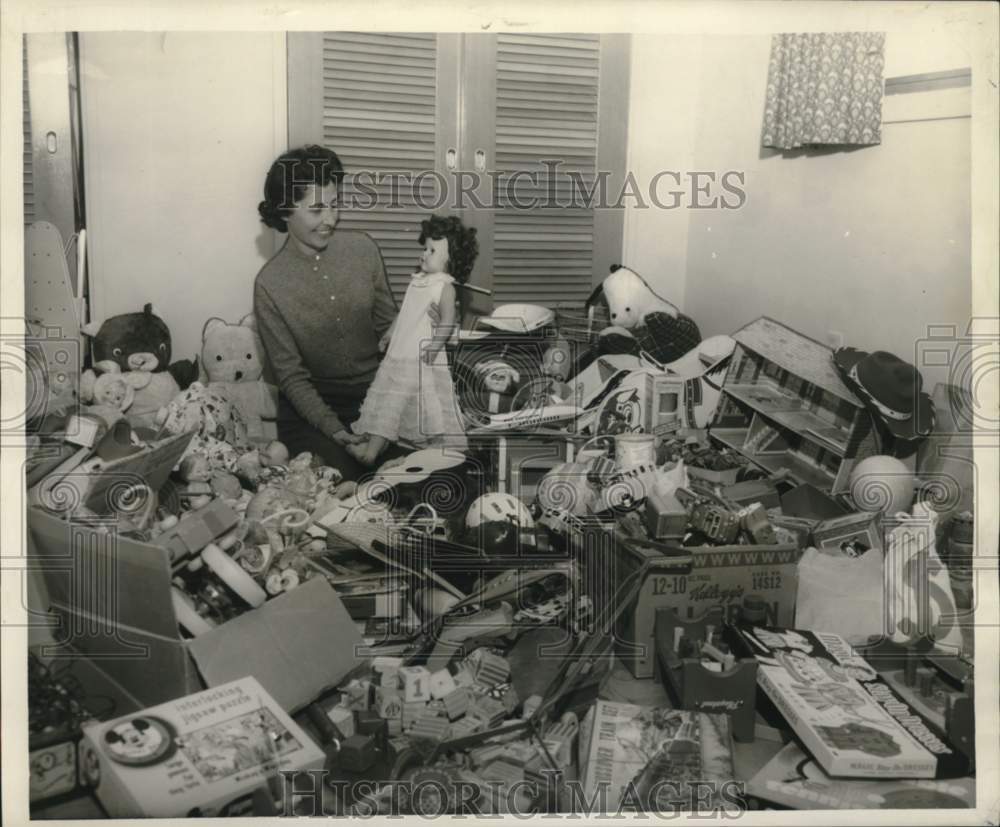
{"x":635,"y":449}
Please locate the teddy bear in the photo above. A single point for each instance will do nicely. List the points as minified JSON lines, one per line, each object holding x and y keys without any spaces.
{"x":220,"y":434}
{"x":232,"y":365}
{"x":139,"y":343}
{"x":636,"y":310}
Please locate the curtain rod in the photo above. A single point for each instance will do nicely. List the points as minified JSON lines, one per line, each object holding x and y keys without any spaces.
{"x":926,"y":81}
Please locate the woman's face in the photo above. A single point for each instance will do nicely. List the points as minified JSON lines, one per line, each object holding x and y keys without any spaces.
{"x":311,"y":222}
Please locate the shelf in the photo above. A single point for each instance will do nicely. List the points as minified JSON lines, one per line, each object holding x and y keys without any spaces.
{"x":787,"y":412}
{"x":800,"y":470}
{"x":731,"y":437}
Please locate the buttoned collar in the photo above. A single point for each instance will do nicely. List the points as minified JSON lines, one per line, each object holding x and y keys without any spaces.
{"x":298,"y":253}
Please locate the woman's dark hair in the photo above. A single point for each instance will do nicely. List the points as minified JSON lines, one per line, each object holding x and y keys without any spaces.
{"x":288,"y":178}
{"x":462,"y":245}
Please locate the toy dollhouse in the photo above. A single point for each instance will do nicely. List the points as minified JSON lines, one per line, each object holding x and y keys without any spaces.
{"x":785,"y":409}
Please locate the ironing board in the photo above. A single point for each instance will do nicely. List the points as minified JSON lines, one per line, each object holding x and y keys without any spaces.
{"x":54,"y":346}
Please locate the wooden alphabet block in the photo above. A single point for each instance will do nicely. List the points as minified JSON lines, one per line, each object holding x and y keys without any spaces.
{"x":442,"y":684}
{"x":416,"y":683}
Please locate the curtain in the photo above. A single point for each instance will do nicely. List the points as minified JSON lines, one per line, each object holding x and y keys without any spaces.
{"x":824,"y":89}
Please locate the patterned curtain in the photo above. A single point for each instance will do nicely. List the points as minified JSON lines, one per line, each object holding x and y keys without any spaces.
{"x":824,"y":89}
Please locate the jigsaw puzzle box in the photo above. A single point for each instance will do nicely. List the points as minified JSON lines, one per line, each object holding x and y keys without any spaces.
{"x":202,"y":755}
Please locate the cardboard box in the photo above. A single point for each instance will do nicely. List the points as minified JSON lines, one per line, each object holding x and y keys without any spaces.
{"x":201,"y":755}
{"x":855,"y":533}
{"x":112,"y":598}
{"x":717,"y":576}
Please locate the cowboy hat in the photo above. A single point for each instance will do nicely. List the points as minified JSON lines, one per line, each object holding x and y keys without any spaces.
{"x":890,"y":388}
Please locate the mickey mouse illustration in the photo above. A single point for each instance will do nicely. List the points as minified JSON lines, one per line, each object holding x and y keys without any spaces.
{"x":139,"y":742}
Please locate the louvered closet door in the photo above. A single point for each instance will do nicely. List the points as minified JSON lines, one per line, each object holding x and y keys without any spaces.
{"x":396,"y":102}
{"x":380,"y":116}
{"x":547,"y":107}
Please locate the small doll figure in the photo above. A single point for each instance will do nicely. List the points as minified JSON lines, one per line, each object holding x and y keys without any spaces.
{"x":412,"y":397}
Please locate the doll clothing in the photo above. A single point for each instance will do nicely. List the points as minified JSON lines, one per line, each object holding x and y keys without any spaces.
{"x":410,"y":399}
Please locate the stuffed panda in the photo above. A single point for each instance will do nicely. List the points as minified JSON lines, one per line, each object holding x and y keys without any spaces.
{"x":641,"y":319}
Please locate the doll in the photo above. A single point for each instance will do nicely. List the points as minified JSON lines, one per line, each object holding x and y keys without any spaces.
{"x":412,"y":397}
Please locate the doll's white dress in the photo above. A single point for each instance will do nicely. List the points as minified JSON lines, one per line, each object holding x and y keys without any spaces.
{"x":410,"y":399}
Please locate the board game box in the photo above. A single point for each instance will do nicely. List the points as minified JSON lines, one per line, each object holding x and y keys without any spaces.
{"x":655,"y":758}
{"x":793,"y":779}
{"x":852,"y":722}
{"x":201,"y":755}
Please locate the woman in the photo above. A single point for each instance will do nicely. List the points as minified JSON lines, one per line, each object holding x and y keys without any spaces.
{"x":322,"y":304}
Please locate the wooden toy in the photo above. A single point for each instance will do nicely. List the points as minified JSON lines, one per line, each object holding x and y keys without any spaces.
{"x":681,"y":649}
{"x":369,"y":722}
{"x":559,"y":740}
{"x":491,"y":669}
{"x":416,"y":683}
{"x":357,"y":753}
{"x":441,"y":684}
{"x":412,"y":711}
{"x":464,"y":676}
{"x":457,"y":702}
{"x":430,"y":728}
{"x":388,"y":704}
{"x":343,"y":719}
{"x":490,"y":711}
{"x":785,"y":408}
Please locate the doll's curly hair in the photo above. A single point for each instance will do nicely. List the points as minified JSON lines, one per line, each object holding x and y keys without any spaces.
{"x":462,"y":245}
{"x":288,"y":178}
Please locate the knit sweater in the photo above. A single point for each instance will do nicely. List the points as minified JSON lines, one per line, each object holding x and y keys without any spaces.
{"x":320,"y":318}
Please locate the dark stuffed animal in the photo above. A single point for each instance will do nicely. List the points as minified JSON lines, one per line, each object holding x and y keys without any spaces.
{"x":667,"y":338}
{"x":137,"y":345}
{"x":139,"y":341}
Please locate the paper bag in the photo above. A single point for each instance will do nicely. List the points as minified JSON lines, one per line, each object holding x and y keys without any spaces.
{"x":841,"y":594}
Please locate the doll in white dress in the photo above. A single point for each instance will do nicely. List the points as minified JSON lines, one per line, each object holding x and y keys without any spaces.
{"x":412,"y":397}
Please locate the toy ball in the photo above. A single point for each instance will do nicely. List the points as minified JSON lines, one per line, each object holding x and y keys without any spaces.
{"x":881,"y":483}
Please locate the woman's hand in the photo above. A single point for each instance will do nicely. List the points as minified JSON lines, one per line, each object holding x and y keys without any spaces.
{"x":345,"y":437}
{"x":383,"y":343}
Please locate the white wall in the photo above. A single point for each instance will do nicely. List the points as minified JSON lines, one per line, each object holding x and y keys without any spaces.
{"x":179,"y":131}
{"x":873,"y":243}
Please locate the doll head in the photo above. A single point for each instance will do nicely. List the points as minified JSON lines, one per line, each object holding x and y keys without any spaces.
{"x":498,"y":377}
{"x":112,"y":389}
{"x":449,"y":247}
